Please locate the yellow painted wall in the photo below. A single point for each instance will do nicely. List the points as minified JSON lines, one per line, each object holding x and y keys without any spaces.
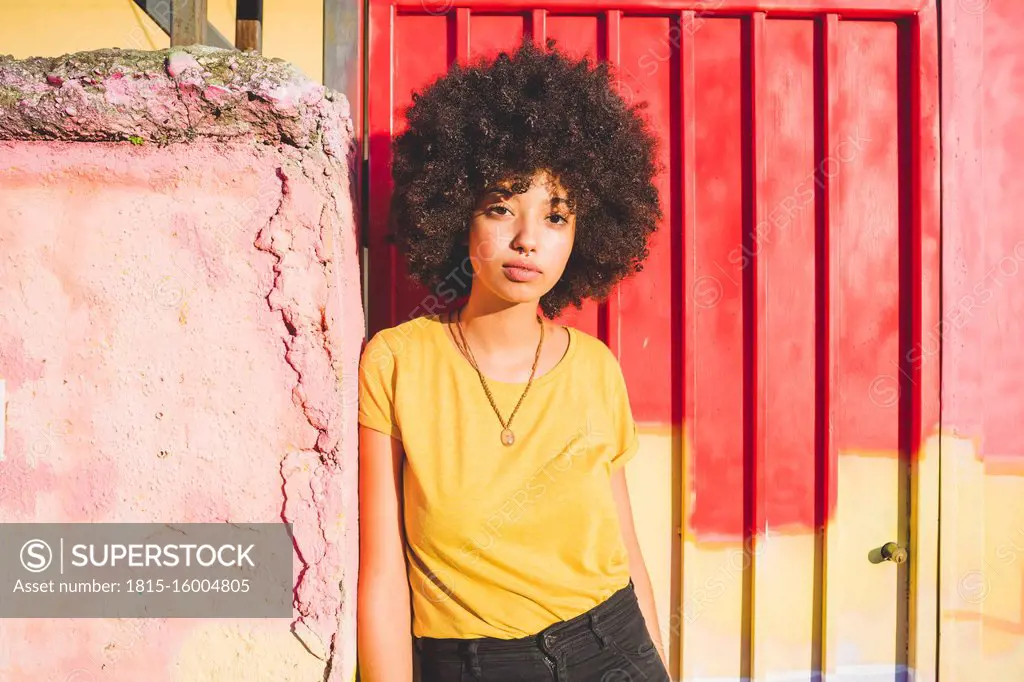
{"x":976,"y":593}
{"x":292,"y":29}
{"x":699,"y":583}
{"x":982,"y":579}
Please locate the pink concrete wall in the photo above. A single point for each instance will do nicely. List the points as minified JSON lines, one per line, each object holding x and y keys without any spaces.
{"x":180,"y":323}
{"x":981,"y":593}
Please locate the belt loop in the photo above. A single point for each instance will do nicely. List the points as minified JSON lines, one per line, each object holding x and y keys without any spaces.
{"x":596,"y":629}
{"x":474,"y":659}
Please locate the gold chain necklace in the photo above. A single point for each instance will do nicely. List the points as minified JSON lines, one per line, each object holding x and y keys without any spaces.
{"x":507,"y":436}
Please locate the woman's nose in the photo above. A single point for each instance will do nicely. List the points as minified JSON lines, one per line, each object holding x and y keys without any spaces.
{"x":525,"y":238}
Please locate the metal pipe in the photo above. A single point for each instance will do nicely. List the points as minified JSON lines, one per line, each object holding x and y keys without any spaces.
{"x":249,"y":25}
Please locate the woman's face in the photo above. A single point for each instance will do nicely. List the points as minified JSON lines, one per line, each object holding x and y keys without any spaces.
{"x":519,"y":244}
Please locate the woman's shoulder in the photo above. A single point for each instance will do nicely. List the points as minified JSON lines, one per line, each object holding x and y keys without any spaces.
{"x":393,"y":341}
{"x":592,"y":348}
{"x":593,"y":357}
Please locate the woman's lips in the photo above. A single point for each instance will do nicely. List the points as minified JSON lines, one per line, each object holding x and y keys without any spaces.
{"x":517,"y":274}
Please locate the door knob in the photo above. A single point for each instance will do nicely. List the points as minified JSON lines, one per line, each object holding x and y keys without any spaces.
{"x":892,"y":552}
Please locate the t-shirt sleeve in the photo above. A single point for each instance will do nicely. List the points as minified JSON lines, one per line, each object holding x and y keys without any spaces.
{"x":377,"y":387}
{"x":624,"y":434}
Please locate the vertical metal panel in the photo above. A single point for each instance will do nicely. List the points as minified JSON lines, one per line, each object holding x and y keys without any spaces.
{"x":538,"y":25}
{"x":427,"y":44}
{"x":784,"y":248}
{"x":829,"y":603}
{"x":865,"y":174}
{"x":715,"y":557}
{"x":719,"y":169}
{"x":608,"y":311}
{"x":924,"y":475}
{"x":684,"y":325}
{"x":462,"y":49}
{"x":640,"y":321}
{"x":755,"y":348}
{"x":579,"y":35}
{"x":381,"y":281}
{"x":493,"y":33}
{"x":646,"y":68}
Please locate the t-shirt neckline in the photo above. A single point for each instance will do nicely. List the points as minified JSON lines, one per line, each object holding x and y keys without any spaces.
{"x":460,"y":360}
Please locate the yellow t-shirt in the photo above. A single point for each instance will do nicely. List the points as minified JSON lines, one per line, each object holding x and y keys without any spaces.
{"x":502,"y":541}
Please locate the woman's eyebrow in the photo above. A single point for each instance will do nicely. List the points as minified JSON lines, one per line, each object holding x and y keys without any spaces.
{"x":561,"y":200}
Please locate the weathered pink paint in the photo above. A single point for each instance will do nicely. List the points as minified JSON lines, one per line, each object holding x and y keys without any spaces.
{"x":180,"y":326}
{"x":983,"y":139}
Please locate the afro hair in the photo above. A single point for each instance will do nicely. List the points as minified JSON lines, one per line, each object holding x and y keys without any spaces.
{"x":505,"y":120}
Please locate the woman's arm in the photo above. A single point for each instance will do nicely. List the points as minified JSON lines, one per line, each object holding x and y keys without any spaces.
{"x":383,"y":617}
{"x":637,"y":567}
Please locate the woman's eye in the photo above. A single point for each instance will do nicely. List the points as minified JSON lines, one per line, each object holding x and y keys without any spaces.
{"x":495,"y":209}
{"x":556,"y":217}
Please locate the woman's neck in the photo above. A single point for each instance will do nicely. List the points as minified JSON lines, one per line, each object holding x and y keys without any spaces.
{"x":499,"y":326}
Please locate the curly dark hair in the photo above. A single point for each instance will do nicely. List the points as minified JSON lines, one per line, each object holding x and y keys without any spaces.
{"x":505,"y":120}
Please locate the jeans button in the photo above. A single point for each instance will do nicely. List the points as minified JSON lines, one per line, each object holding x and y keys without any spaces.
{"x":549,"y":640}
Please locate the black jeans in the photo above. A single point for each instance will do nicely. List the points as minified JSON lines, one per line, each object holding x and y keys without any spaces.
{"x":609,"y":643}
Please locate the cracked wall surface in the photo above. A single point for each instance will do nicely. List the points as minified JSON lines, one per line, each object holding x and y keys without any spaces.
{"x":180,"y":326}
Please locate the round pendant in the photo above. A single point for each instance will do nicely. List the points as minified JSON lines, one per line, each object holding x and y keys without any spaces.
{"x":507,"y":437}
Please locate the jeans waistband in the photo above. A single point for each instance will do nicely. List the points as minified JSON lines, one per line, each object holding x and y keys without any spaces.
{"x":621,"y":605}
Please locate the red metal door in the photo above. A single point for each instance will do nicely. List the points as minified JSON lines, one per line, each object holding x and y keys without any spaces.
{"x":780,"y":344}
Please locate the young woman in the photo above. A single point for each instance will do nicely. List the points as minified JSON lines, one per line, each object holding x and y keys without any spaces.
{"x":496,"y":534}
